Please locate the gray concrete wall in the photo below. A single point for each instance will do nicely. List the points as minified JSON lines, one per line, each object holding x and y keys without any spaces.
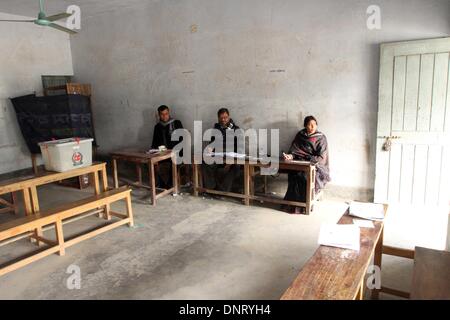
{"x":199,"y":55}
{"x":27,"y":51}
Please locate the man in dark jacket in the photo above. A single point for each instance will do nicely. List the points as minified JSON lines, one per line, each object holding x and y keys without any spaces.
{"x":222,"y":176}
{"x":162,"y":136}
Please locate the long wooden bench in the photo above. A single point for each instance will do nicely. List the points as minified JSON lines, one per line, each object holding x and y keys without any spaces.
{"x":56,"y":217}
{"x":336,"y":273}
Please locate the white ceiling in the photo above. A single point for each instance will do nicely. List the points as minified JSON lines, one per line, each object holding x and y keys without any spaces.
{"x":89,"y":8}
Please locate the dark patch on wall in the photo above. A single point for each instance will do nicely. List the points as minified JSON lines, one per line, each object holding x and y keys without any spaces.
{"x":247,"y":120}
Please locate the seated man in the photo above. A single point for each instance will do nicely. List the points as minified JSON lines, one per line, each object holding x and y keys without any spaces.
{"x":162,"y":136}
{"x":222,"y":176}
{"x":308,"y":145}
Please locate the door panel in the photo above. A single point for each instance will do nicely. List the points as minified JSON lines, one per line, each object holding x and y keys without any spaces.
{"x":414,"y":110}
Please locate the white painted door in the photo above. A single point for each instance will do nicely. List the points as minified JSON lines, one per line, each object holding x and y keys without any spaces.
{"x":414,"y":111}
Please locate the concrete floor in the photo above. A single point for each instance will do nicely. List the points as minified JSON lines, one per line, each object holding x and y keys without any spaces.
{"x":184,"y":248}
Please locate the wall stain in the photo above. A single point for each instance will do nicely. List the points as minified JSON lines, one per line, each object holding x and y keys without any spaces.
{"x":247,"y":120}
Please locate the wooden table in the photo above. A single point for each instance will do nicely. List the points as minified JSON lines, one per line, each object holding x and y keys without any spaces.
{"x":140,"y":157}
{"x":338,"y":274}
{"x":198,"y":180}
{"x":249,"y":173}
{"x":28,"y":186}
{"x":285,"y":165}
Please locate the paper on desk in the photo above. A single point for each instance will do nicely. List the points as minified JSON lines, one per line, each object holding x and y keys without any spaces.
{"x":370,"y":211}
{"x":153,"y":151}
{"x":345,"y":236}
{"x":228,"y":154}
{"x":363,"y":223}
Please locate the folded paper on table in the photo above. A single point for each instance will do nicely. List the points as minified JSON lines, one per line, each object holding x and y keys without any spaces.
{"x":363,"y":223}
{"x":345,"y":236}
{"x":369,"y":211}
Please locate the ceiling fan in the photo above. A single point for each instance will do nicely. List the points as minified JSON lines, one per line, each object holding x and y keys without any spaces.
{"x":43,"y":20}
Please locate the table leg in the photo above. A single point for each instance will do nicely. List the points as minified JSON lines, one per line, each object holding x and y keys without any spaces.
{"x":60,"y":237}
{"x":251,"y":170}
{"x":34,"y":164}
{"x":27,"y":202}
{"x":308,"y":190}
{"x":95,"y":178}
{"x":96,"y":183}
{"x":35,"y":204}
{"x":152,"y":182}
{"x":265,"y":184}
{"x":130,"y":211}
{"x":139,"y":173}
{"x":360,"y":295}
{"x":195,"y":178}
{"x":14,"y":202}
{"x":105,"y":188}
{"x":200,"y":176}
{"x":175,"y":175}
{"x":377,"y":259}
{"x":115,"y":174}
{"x":247,"y":184}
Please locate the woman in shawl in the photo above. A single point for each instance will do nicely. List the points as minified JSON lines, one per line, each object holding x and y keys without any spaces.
{"x":308,"y":145}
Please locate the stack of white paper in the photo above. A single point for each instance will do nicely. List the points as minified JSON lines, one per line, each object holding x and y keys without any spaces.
{"x":345,"y":236}
{"x":152,"y":151}
{"x":363,"y":223}
{"x":369,"y":211}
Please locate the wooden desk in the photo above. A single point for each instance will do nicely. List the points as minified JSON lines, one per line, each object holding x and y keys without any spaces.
{"x":198,"y":180}
{"x":249,"y":173}
{"x":139,"y":157}
{"x":335,"y":273}
{"x":310,"y":172}
{"x":28,"y":187}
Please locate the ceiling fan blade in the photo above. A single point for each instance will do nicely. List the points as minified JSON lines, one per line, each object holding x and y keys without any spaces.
{"x":57,"y":26}
{"x":16,"y":20}
{"x":58,"y":16}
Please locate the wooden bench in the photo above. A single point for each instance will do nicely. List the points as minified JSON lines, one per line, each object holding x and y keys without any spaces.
{"x":338,"y":274}
{"x":56,"y":217}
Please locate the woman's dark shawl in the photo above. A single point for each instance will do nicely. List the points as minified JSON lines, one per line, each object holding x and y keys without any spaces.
{"x":313,"y":148}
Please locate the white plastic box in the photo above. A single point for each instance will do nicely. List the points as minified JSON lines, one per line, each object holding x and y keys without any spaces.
{"x":66,"y":154}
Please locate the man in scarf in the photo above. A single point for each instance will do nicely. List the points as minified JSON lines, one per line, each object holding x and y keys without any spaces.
{"x":162,"y":136}
{"x":308,"y":145}
{"x":222,"y":176}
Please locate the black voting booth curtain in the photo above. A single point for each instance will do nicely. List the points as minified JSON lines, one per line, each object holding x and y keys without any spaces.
{"x":54,"y":117}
